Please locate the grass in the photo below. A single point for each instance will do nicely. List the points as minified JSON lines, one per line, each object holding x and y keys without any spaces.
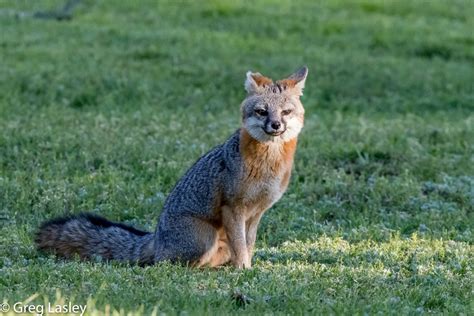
{"x":104,"y":112}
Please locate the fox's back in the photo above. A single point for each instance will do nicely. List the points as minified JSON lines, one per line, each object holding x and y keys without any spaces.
{"x":205,"y":186}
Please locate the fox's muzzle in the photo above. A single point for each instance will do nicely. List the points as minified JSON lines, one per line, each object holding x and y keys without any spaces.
{"x":274,"y":127}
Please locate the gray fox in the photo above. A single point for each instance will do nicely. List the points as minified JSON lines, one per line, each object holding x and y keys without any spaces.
{"x":211,"y":216}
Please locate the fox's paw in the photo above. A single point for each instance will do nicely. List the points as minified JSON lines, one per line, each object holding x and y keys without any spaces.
{"x":242,"y":264}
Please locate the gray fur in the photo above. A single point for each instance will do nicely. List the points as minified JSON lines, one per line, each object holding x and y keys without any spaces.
{"x":193,"y":207}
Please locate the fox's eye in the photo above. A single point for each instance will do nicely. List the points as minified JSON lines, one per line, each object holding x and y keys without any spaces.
{"x":285,"y":112}
{"x":261,"y":112}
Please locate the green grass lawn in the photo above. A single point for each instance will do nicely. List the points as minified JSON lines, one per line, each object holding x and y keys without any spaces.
{"x":106,"y":111}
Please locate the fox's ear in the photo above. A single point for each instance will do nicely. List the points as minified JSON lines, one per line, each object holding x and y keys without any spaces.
{"x":296,"y":81}
{"x":300,"y":78}
{"x":256,"y":82}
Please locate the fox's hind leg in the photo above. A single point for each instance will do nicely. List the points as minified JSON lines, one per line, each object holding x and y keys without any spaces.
{"x":206,"y":258}
{"x":223,"y":254}
{"x":218,"y":254}
{"x":187,"y":240}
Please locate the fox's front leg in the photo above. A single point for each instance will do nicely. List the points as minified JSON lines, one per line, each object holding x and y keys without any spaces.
{"x":234,"y":224}
{"x":251,"y":233}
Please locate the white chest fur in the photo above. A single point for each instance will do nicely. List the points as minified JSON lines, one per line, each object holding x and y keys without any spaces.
{"x":267,"y":190}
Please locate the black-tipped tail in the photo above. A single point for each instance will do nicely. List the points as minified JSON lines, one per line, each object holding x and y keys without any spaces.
{"x":90,"y":236}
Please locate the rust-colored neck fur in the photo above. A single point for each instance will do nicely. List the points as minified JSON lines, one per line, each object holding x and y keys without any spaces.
{"x":263,"y":159}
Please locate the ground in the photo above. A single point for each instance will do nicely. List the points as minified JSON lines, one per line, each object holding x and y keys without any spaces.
{"x":104,"y":112}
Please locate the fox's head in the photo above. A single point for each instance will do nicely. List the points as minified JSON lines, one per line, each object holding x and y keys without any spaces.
{"x":272,"y":111}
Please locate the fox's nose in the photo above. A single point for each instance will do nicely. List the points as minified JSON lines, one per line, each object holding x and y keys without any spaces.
{"x":276,"y":125}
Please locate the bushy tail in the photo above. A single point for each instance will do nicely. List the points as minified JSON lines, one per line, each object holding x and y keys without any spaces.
{"x":91,"y":236}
